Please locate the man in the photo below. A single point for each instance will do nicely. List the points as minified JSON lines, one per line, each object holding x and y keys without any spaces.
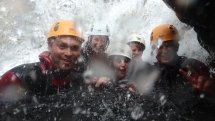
{"x":200,"y":15}
{"x":182,"y":80}
{"x":169,"y":61}
{"x":57,"y":69}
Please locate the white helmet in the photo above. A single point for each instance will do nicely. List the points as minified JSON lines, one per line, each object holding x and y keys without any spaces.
{"x":120,"y":49}
{"x":99,"y":28}
{"x":135,"y":38}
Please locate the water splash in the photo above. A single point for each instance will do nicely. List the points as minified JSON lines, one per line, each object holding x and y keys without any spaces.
{"x":137,"y":112}
{"x":32,"y":19}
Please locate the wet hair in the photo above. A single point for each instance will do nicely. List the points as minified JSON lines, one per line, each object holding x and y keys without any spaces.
{"x":175,"y":44}
{"x":52,"y":39}
{"x":139,"y":45}
{"x":90,"y":40}
{"x":113,"y":57}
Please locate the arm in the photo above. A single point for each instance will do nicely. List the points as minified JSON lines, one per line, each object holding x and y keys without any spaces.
{"x":201,"y":82}
{"x":9,"y":87}
{"x":9,"y":78}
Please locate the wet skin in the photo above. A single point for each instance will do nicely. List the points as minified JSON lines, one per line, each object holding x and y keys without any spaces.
{"x":136,"y":52}
{"x":167,"y":55}
{"x":167,"y":52}
{"x":120,"y":64}
{"x":64,"y":52}
{"x":98,"y":43}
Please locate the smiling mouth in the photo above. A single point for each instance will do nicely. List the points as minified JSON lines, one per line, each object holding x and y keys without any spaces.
{"x":98,"y":48}
{"x":122,"y":70}
{"x":67,"y":61}
{"x":165,"y":57}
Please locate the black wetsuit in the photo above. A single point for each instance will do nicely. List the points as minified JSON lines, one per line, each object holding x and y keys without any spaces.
{"x":42,"y":77}
{"x":201,"y":16}
{"x":175,"y":92}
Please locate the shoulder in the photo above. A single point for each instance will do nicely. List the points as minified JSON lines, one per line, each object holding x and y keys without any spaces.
{"x":81,"y":67}
{"x":26,"y":68}
{"x":184,"y":61}
{"x":197,"y":65}
{"x":29,"y":73}
{"x":17,"y":74}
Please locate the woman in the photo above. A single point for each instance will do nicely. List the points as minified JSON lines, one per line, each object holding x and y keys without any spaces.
{"x":98,"y":41}
{"x":137,"y":45}
{"x":119,"y":58}
{"x":138,"y":69}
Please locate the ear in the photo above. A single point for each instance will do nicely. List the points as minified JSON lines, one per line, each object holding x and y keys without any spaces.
{"x":176,"y":46}
{"x":49,"y":44}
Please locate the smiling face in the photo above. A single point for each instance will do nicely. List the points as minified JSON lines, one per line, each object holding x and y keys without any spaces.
{"x":99,"y":43}
{"x":120,"y":64}
{"x":137,"y":50}
{"x":64,"y":52}
{"x":167,"y":52}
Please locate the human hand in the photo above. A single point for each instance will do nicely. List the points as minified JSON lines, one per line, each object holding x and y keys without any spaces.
{"x":132,"y":87}
{"x":200,"y":83}
{"x":102,"y":81}
{"x":92,"y":81}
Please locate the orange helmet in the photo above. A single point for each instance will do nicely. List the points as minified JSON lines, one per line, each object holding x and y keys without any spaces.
{"x":165,"y":32}
{"x":64,"y":27}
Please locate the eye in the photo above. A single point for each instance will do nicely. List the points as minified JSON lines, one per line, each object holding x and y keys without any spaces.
{"x":62,"y":46}
{"x":104,"y":40}
{"x":75,"y":48}
{"x":95,"y":39}
{"x":126,"y":60}
{"x":134,"y":50}
{"x":169,"y":46}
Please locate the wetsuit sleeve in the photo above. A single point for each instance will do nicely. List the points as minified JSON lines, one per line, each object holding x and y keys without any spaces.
{"x":9,"y":78}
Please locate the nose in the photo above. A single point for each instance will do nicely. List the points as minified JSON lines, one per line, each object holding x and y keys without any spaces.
{"x":122,"y":63}
{"x":100,"y":42}
{"x":164,"y":50}
{"x":68,"y":52}
{"x":139,"y":51}
{"x":134,"y":52}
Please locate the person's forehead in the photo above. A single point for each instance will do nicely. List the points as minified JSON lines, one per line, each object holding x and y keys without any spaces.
{"x":119,"y":57}
{"x":136,"y":46}
{"x":133,"y":47}
{"x":133,"y":44}
{"x":69,"y":40}
{"x":100,"y":36}
{"x":168,"y":42}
